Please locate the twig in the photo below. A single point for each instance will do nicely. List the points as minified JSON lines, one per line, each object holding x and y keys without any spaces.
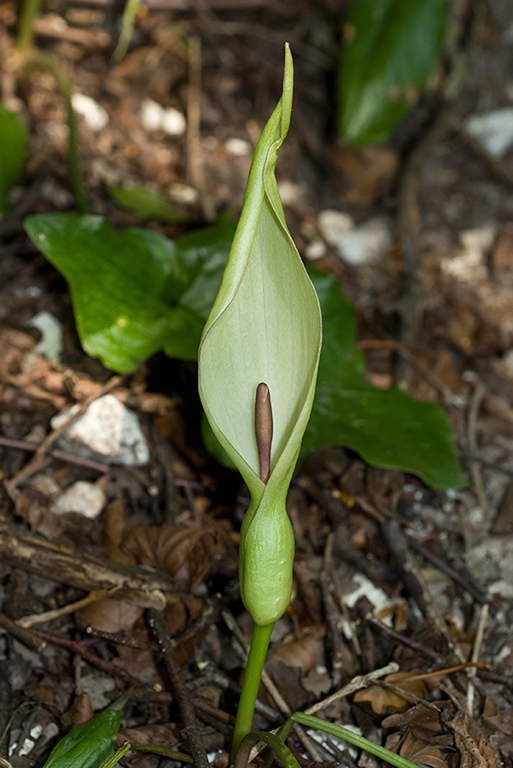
{"x":408,"y":214}
{"x":56,"y":613}
{"x":415,"y":583}
{"x":332,"y":615}
{"x":448,"y":569}
{"x":473,"y":413}
{"x":407,"y":695}
{"x":476,"y":650}
{"x":356,"y":684}
{"x":55,"y":453}
{"x":180,"y":692}
{"x":508,"y":471}
{"x":413,"y":644}
{"x":21,"y":634}
{"x":71,"y":645}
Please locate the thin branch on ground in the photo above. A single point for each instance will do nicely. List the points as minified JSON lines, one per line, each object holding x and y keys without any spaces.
{"x":181,"y":695}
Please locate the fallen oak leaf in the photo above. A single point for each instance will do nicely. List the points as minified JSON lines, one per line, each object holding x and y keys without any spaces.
{"x":385,"y":701}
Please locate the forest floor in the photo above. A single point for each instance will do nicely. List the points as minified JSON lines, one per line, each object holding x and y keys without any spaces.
{"x":390,"y":576}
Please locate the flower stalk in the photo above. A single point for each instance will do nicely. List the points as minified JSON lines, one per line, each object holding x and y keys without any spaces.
{"x":258,"y":362}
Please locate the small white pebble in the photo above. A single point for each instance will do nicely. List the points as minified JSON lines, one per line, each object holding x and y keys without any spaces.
{"x":84,"y":498}
{"x":26,"y":749}
{"x":290,"y":193}
{"x":237,"y":147}
{"x":155,"y":118}
{"x":333,"y":224}
{"x":94,"y":114}
{"x":183,"y":193}
{"x":315,"y":250}
{"x":493,"y":130}
{"x":173,"y":122}
{"x":151,"y":114}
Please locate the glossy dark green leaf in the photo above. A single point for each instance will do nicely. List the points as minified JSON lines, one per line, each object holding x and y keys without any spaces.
{"x":13,"y":149}
{"x":387,"y":428}
{"x":134,"y":291}
{"x":393,"y":49}
{"x":87,"y":745}
{"x":146,"y":203}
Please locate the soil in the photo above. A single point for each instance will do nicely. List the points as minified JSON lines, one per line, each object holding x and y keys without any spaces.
{"x":397,"y":587}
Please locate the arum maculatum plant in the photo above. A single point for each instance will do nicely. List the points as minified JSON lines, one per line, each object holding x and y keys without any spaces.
{"x":258,"y":361}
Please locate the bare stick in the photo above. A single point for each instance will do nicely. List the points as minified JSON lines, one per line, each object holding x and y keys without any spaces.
{"x":31,"y":552}
{"x":180,"y":692}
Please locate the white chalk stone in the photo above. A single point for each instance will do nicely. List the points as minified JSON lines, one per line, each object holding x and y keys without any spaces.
{"x":50,"y":345}
{"x":173,"y":122}
{"x":84,"y":498}
{"x":333,"y":225}
{"x":155,"y":117}
{"x":365,"y":244}
{"x":108,"y":430}
{"x":237,"y":147}
{"x":93,"y":113}
{"x":151,"y":114}
{"x":493,"y":130}
{"x":315,"y":250}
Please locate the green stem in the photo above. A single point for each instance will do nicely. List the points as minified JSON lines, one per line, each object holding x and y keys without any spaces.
{"x":276,"y":748}
{"x":254,"y":667}
{"x":25,"y":37}
{"x":34,"y":59}
{"x":344,"y":733}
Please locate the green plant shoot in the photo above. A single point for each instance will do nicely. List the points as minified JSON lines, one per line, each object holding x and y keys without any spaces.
{"x":88,"y":745}
{"x":258,"y":362}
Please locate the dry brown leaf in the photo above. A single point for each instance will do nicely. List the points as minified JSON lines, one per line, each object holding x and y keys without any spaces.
{"x":420,"y":735}
{"x":162,"y":735}
{"x":384,"y":701}
{"x":109,"y":615}
{"x":431,"y":752}
{"x":305,"y":653}
{"x":183,"y":553}
{"x":474,"y":748}
{"x":80,"y":711}
{"x":114,"y":526}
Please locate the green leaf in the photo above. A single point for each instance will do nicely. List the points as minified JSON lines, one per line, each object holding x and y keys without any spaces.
{"x":393,"y":50}
{"x":265,"y":326}
{"x":146,"y":203}
{"x":387,"y":428}
{"x":13,"y":150}
{"x":134,"y":291}
{"x":87,"y":745}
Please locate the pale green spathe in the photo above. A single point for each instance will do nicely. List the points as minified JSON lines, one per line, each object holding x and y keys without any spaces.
{"x":265,"y":326}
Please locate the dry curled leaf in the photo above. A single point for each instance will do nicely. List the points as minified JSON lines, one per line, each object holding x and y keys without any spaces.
{"x":305,"y":653}
{"x":474,"y":747}
{"x":422,"y":752}
{"x":385,"y":701}
{"x":421,"y":736}
{"x":183,"y":553}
